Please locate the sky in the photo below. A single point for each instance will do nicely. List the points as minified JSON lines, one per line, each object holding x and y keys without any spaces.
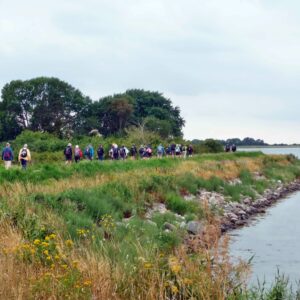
{"x":231,"y":66}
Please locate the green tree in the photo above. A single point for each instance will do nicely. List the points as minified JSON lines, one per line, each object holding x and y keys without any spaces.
{"x":42,"y":104}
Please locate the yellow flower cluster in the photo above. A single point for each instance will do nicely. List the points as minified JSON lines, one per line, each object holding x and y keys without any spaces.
{"x":107,"y":222}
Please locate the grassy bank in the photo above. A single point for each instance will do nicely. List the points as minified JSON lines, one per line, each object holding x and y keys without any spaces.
{"x":92,"y":230}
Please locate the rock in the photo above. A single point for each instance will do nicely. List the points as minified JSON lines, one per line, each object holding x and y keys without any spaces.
{"x":189,"y":197}
{"x":195,"y":227}
{"x":151,"y":223}
{"x":169,"y":226}
{"x":182,"y":225}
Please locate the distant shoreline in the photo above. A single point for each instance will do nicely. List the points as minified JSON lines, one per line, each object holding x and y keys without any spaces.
{"x":269,"y":146}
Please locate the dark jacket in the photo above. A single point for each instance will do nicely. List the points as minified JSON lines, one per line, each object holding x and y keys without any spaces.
{"x":7,"y":154}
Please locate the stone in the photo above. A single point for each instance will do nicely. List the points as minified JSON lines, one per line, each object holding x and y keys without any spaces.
{"x":195,"y":227}
{"x":169,"y":226}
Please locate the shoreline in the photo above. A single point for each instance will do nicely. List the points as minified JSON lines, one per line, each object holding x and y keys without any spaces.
{"x":237,"y":215}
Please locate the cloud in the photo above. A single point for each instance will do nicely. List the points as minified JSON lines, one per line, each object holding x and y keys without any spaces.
{"x":216,"y":59}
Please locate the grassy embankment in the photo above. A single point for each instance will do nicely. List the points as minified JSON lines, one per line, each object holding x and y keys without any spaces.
{"x":63,"y":234}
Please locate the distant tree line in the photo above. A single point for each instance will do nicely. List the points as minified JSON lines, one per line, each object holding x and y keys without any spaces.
{"x":53,"y":106}
{"x":238,"y":142}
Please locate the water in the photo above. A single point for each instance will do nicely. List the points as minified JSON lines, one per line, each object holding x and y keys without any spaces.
{"x":274,"y":241}
{"x":275,"y":150}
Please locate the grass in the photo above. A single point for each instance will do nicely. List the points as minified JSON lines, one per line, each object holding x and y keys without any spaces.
{"x":101,"y":208}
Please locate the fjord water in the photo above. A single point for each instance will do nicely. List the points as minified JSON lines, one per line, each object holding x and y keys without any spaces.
{"x":272,"y":239}
{"x":275,"y":150}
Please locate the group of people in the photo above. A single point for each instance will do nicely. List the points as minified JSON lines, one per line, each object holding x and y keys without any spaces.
{"x":8,"y":156}
{"x":122,"y":153}
{"x":231,"y":148}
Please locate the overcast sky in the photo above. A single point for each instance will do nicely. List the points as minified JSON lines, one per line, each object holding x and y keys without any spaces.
{"x":232,"y":66}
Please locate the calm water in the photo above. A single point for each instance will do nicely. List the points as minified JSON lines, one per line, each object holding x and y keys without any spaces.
{"x":274,"y":238}
{"x":274,"y":241}
{"x":278,"y":150}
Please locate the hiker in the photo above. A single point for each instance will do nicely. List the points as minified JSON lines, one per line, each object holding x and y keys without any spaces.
{"x":227,"y":148}
{"x":233,"y":148}
{"x":148,"y":152}
{"x":68,"y":152}
{"x":173,"y":150}
{"x":190,"y":151}
{"x":100,"y":153}
{"x":184,"y":151}
{"x":115,"y":152}
{"x":141,"y":151}
{"x":7,"y":156}
{"x":77,"y":154}
{"x":133,"y":152}
{"x":89,"y":152}
{"x":168,"y":150}
{"x":160,"y":151}
{"x":177,"y":150}
{"x":24,"y":156}
{"x":123,"y":153}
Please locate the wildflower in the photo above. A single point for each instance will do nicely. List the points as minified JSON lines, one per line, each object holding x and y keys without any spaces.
{"x":148,"y":266}
{"x":87,"y":283}
{"x":175,"y":268}
{"x":75,"y":263}
{"x":47,"y":238}
{"x":57,"y":257}
{"x":187,"y":281}
{"x":52,"y":236}
{"x":52,"y":266}
{"x":32,"y":251}
{"x":45,"y":244}
{"x":174,"y":289}
{"x":69,"y":243}
{"x":48,"y":258}
{"x":46,"y":252}
{"x":37,"y":242}
{"x":64,"y":267}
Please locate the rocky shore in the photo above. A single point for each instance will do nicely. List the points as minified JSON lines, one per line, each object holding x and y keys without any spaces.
{"x":231,"y":214}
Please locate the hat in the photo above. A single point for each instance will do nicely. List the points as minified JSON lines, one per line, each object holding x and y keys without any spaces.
{"x":7,"y":144}
{"x":25,"y":146}
{"x":76,"y":146}
{"x":69,"y":145}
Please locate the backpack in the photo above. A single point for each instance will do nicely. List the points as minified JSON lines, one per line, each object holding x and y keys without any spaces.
{"x":149,"y":150}
{"x":100,"y":151}
{"x":116,"y":151}
{"x":87,"y":151}
{"x":68,"y":151}
{"x":23,"y":153}
{"x":7,"y":154}
{"x":123,"y":151}
{"x":77,"y":152}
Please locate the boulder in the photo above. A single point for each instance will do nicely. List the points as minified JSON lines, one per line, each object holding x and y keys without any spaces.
{"x":195,"y":227}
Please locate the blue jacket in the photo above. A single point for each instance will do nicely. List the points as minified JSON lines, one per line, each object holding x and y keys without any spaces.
{"x":7,"y":154}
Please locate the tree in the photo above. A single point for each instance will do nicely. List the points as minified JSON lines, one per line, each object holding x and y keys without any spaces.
{"x":42,"y":104}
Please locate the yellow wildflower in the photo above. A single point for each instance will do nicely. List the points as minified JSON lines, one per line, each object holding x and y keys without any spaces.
{"x":87,"y":283}
{"x":69,"y":243}
{"x":36,"y":242}
{"x":45,"y":244}
{"x":64,"y":267}
{"x":52,"y":236}
{"x":57,"y":257}
{"x":46,"y":252}
{"x":175,"y":289}
{"x":47,"y":238}
{"x":187,"y":281}
{"x":176,"y":268}
{"x":148,"y":266}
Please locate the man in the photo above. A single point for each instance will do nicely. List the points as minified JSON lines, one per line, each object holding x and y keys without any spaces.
{"x":100,"y":153}
{"x":24,"y":156}
{"x":7,"y":156}
{"x":89,"y":152}
{"x":68,"y":154}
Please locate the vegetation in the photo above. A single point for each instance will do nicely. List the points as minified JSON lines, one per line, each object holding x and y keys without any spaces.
{"x":92,"y":230}
{"x":50,"y":105}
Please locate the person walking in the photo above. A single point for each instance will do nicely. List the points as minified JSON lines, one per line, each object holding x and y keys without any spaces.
{"x":68,"y":152}
{"x":77,"y":154}
{"x":160,"y":151}
{"x":133,"y":152}
{"x":24,"y":156}
{"x":7,"y":156}
{"x":100,"y":153}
